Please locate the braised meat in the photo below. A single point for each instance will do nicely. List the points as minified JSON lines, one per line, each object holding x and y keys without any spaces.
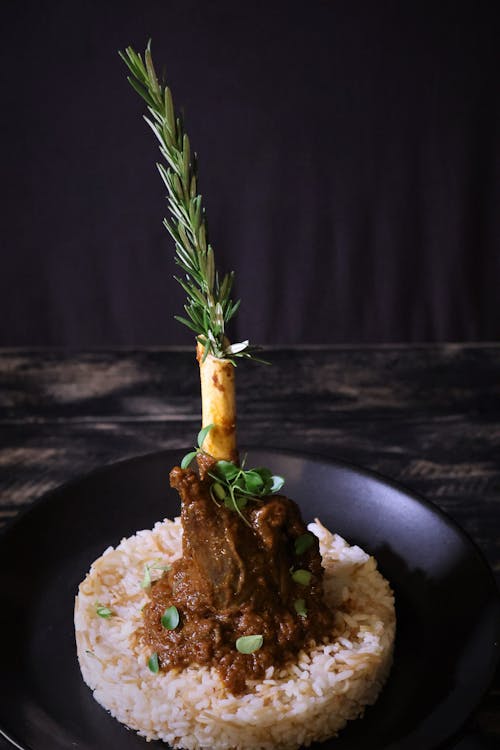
{"x":234,"y":580}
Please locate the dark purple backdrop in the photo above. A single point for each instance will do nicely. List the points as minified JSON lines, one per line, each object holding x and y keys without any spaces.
{"x":349,"y":159}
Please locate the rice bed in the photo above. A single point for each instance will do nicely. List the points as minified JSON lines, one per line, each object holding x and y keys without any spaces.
{"x":292,"y":707}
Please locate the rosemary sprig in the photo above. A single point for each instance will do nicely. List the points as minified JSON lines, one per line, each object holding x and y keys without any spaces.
{"x":209,"y":305}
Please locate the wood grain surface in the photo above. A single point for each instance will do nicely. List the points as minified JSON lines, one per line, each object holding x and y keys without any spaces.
{"x":426,"y":416}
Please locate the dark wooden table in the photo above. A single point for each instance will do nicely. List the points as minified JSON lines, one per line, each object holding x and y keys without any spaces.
{"x":427,"y":416}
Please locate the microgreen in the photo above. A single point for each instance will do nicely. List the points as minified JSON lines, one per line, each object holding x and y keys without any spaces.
{"x":302,"y":577}
{"x":103,"y":612}
{"x":153,"y":663}
{"x":170,"y":618}
{"x":202,"y":435}
{"x":234,"y":485}
{"x":146,"y":581}
{"x":303,"y":542}
{"x":209,"y":305}
{"x":217,"y":493}
{"x":227,"y":470}
{"x":247,"y":644}
{"x":277,"y":483}
{"x":189,"y":457}
{"x":300,"y":607}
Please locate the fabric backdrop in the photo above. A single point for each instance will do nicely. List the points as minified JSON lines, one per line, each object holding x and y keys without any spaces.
{"x":349,"y":162}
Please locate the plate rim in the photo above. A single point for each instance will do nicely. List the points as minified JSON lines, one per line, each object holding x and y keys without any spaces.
{"x":311,"y":457}
{"x":315,"y":457}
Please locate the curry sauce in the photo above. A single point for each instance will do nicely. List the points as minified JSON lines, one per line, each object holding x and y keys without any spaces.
{"x":237,"y":579}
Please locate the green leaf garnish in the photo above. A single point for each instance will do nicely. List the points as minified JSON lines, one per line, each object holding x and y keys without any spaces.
{"x":303,"y":542}
{"x":146,"y":581}
{"x":300,"y":607}
{"x":202,"y":435}
{"x":232,"y":502}
{"x":302,"y":577}
{"x":217,"y":490}
{"x":227,"y":470}
{"x":247,"y":644}
{"x":187,"y":460}
{"x":253,"y":481}
{"x":103,"y":612}
{"x":153,"y":663}
{"x":262,"y":471}
{"x":170,"y":618}
{"x":277,"y":483}
{"x":235,"y":486}
{"x":189,"y":457}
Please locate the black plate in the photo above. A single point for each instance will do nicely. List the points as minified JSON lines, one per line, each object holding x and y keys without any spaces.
{"x":447,"y":603}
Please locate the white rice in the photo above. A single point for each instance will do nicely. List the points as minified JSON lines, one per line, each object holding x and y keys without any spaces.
{"x":292,"y":707}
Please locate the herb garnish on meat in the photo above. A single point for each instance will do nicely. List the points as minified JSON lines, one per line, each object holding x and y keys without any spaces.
{"x":170,"y":618}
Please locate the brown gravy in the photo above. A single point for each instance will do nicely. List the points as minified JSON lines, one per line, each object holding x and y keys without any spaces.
{"x":236,"y":580}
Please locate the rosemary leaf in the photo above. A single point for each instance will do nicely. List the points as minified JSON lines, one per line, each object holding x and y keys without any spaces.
{"x":210,"y":305}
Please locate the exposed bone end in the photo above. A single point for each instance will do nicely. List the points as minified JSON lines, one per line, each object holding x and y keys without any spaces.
{"x":218,"y":402}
